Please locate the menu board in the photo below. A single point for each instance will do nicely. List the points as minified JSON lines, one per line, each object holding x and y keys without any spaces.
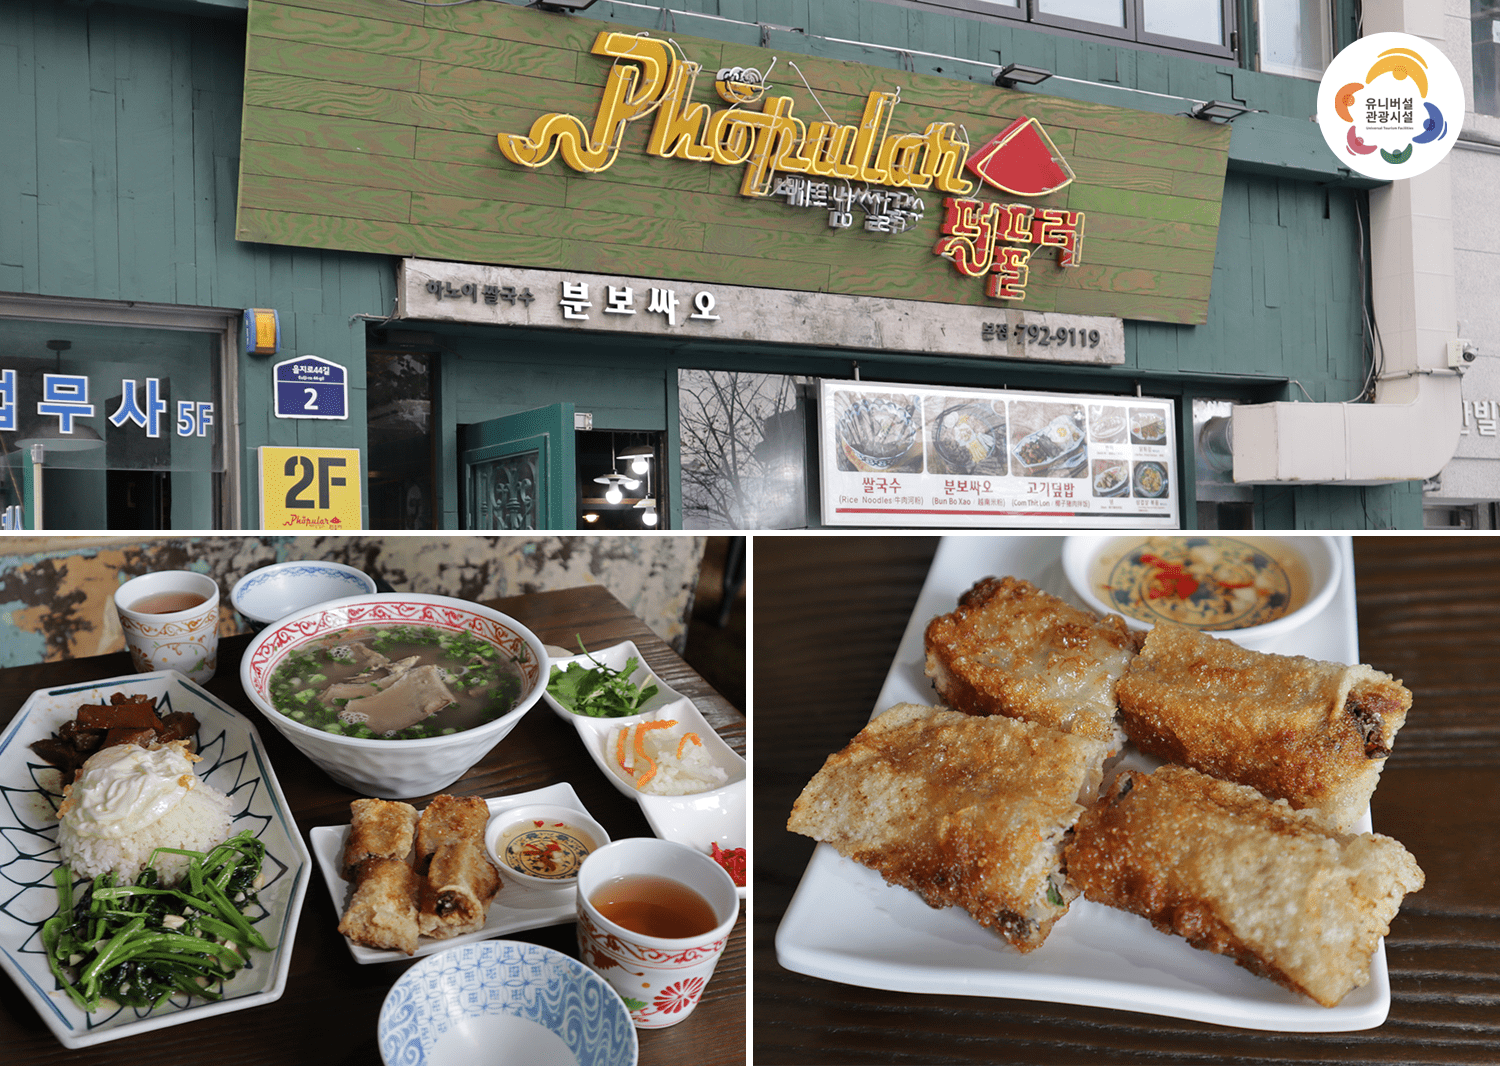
{"x":913,"y":455}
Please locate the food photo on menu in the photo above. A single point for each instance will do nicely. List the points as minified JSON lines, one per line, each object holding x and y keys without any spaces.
{"x":1130,"y":771}
{"x":415,"y":792}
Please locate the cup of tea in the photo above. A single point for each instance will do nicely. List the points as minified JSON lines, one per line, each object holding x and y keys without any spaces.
{"x":653,"y":919}
{"x":171,"y":622}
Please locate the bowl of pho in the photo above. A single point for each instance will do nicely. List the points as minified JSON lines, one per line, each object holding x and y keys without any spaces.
{"x":395,"y":695}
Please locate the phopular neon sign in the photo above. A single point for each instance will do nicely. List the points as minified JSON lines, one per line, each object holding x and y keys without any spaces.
{"x":658,"y":80}
{"x":650,"y":77}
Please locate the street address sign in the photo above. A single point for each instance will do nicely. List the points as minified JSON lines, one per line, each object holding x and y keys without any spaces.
{"x":309,"y":387}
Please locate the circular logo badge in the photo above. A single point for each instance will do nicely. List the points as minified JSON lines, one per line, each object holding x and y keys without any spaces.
{"x":1390,"y":106}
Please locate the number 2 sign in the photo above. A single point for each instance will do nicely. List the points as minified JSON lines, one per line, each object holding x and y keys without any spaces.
{"x":310,"y":488}
{"x":309,"y":387}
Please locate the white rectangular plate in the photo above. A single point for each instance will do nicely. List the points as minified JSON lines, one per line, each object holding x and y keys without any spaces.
{"x":232,"y":762}
{"x":517,"y":906}
{"x":846,"y":924}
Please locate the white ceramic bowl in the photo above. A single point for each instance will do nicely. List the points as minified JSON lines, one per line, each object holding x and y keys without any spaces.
{"x":540,"y":819}
{"x":504,"y":1001}
{"x":394,"y":769}
{"x":1320,"y":555}
{"x":278,"y":590}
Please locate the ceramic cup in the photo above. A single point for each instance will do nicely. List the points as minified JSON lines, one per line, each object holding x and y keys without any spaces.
{"x":660,"y":979}
{"x":185,"y":640}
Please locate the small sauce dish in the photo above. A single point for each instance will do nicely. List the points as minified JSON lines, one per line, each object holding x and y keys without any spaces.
{"x":543,"y":845}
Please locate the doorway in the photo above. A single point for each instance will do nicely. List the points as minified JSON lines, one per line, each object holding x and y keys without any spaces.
{"x":620,"y":480}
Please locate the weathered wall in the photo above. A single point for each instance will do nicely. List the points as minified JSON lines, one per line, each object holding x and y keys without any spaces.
{"x":57,"y":593}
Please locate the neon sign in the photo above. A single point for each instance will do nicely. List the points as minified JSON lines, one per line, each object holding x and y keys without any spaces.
{"x":819,"y":161}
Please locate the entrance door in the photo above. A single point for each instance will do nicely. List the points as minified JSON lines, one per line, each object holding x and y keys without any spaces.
{"x":517,"y":471}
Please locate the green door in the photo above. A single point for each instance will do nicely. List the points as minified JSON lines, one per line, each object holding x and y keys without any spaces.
{"x":518,"y":471}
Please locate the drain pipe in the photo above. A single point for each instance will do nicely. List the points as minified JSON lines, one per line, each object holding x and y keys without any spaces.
{"x":1411,"y":429}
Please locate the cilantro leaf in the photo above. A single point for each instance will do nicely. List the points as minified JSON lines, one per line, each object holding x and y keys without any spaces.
{"x":598,"y":691}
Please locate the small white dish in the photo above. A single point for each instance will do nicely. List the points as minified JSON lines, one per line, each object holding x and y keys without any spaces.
{"x":503,"y":1000}
{"x":275,"y":591}
{"x":517,"y":907}
{"x":232,"y":760}
{"x":1320,"y":558}
{"x":518,"y":833}
{"x":699,"y":820}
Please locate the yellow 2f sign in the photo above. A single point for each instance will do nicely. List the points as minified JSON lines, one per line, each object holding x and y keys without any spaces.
{"x":310,"y":489}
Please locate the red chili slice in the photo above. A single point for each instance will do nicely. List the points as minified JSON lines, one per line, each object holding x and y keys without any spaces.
{"x":1021,"y":159}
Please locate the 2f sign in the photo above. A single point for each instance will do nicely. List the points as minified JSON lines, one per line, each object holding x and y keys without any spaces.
{"x":310,"y":488}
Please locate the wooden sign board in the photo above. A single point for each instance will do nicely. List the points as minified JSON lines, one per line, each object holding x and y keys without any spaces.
{"x":444,"y":133}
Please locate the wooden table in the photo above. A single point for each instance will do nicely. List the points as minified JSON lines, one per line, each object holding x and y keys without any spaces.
{"x":327,"y":1014}
{"x":829,"y":613}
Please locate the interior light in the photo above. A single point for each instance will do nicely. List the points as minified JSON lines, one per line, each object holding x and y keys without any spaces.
{"x":640,"y":466}
{"x":649,"y":518}
{"x":613,"y":494}
{"x":591,"y":517}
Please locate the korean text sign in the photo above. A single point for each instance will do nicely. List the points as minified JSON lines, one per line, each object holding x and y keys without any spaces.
{"x":906,"y":455}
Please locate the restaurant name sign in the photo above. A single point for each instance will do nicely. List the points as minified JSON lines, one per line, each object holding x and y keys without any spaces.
{"x":492,"y":133}
{"x":651,"y":77}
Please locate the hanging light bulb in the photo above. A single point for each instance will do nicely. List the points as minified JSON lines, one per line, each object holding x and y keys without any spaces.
{"x":613,"y":493}
{"x":649,"y":518}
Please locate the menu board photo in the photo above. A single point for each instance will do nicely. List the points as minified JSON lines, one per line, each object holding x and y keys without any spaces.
{"x":912,"y":455}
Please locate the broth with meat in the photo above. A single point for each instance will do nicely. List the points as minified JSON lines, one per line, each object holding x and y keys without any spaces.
{"x":399,"y":682}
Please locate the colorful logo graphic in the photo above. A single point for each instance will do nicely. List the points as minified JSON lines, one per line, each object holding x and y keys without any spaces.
{"x":1390,"y":106}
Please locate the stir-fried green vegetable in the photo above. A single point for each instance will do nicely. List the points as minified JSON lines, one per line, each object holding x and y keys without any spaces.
{"x":598,"y":691}
{"x":139,"y":944}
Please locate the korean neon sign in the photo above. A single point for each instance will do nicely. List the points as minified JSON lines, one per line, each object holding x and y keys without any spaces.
{"x":650,"y":77}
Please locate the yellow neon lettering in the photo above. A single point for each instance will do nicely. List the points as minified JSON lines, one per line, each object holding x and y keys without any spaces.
{"x":679,"y":124}
{"x":872,"y":129}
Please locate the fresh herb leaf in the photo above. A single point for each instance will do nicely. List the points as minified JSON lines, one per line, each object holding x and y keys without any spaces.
{"x":598,"y":691}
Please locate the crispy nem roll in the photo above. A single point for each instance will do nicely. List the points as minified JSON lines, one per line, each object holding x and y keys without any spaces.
{"x":378,"y":827}
{"x":965,"y":811}
{"x":382,"y":910}
{"x":1315,"y":734}
{"x":1234,"y":873}
{"x":1012,"y":649}
{"x":461,"y":884}
{"x":449,"y":820}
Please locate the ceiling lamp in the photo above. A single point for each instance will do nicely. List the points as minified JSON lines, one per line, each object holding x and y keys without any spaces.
{"x":648,"y":505}
{"x":640,"y":456}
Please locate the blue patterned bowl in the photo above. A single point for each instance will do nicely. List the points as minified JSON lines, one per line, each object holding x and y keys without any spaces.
{"x":504,"y":1001}
{"x":277,"y":590}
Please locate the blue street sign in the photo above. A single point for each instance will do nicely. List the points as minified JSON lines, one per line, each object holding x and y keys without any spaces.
{"x":309,"y":387}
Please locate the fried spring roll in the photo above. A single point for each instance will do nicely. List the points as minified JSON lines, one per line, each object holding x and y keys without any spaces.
{"x":962,"y":810}
{"x":382,"y":910}
{"x":1315,"y":734}
{"x":1234,"y":873}
{"x":450,"y":820}
{"x":378,"y":827}
{"x":1012,"y":649}
{"x":461,"y":884}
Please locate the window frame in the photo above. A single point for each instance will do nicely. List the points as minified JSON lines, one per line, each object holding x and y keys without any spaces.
{"x":222,"y":323}
{"x":1130,"y":35}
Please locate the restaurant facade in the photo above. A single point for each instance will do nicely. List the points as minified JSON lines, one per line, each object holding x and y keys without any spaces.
{"x":375,"y":264}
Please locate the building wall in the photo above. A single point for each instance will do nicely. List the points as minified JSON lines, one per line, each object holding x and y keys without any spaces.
{"x":122,"y":133}
{"x":57,"y":593}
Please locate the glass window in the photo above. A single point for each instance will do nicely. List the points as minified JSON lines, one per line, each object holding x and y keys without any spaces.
{"x":126,"y":422}
{"x":1296,"y":36}
{"x":1484,"y":32}
{"x":1193,"y":20}
{"x":1104,"y":12}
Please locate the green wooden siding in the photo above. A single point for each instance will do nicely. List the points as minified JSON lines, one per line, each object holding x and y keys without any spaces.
{"x":453,"y":78}
{"x":122,"y":131}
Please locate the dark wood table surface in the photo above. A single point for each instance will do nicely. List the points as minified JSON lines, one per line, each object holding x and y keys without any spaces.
{"x":829,"y":613}
{"x":328,"y":1011}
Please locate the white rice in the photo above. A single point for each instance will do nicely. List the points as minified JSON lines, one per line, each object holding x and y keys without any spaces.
{"x":197,"y":818}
